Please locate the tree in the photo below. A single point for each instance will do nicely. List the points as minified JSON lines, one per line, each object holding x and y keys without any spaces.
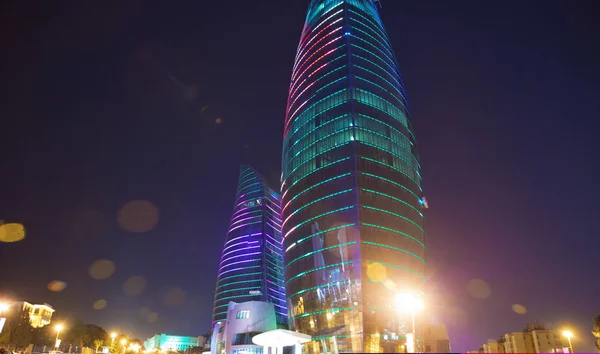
{"x":77,"y":334}
{"x":43,"y":336}
{"x":596,"y":331}
{"x":98,"y":343}
{"x":17,"y":330}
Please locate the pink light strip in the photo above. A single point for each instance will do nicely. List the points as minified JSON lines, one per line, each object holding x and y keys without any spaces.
{"x":243,"y":236}
{"x":238,"y":262}
{"x":313,"y":37}
{"x":307,"y":31}
{"x":233,"y":270}
{"x":244,"y":219}
{"x":237,"y":227}
{"x":318,"y":50}
{"x":240,"y":249}
{"x":240,"y":255}
{"x":297,"y":97}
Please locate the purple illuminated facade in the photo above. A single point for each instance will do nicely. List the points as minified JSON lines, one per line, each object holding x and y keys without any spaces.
{"x":251,"y":267}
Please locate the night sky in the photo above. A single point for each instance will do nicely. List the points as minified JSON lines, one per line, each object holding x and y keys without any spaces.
{"x":162,"y":101}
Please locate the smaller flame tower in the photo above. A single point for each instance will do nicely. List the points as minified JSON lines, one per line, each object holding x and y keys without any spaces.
{"x":251,"y":267}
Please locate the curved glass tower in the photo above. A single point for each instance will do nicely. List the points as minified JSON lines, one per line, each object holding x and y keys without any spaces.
{"x":251,"y":267}
{"x":353,"y":228}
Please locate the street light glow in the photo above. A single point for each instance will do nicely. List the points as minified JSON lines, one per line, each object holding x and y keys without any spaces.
{"x":568,"y":334}
{"x":409,"y":302}
{"x":113,"y":335}
{"x":3,"y":307}
{"x":59,"y":327}
{"x":123,"y":341}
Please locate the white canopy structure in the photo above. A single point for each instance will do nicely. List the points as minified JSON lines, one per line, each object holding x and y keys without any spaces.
{"x":279,"y":338}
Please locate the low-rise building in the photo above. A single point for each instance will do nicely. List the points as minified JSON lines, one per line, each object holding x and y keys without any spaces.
{"x":167,"y":342}
{"x":40,"y":315}
{"x":244,"y":321}
{"x":436,"y":339}
{"x":533,"y":339}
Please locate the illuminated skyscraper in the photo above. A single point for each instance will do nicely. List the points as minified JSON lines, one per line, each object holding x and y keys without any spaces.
{"x":251,"y":266}
{"x":353,"y":228}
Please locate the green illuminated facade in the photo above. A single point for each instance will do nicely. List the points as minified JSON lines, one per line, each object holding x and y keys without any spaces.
{"x":352,"y":203}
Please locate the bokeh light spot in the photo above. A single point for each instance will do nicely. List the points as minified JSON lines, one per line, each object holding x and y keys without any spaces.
{"x":152,"y":317}
{"x":102,"y":269}
{"x":479,"y":289}
{"x":376,"y":272}
{"x":99,"y":304}
{"x":203,"y":109}
{"x":12,"y":232}
{"x":175,"y":297}
{"x":57,"y":286}
{"x":519,"y":309}
{"x":138,"y":216}
{"x":219,"y":120}
{"x":134,"y":286}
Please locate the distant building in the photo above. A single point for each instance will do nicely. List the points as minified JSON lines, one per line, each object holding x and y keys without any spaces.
{"x":251,"y":267}
{"x":243,"y":321}
{"x":39,"y":315}
{"x":533,"y":339}
{"x":436,"y":339}
{"x":174,"y":343}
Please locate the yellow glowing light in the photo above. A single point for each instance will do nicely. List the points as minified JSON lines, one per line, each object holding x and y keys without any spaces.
{"x":123,"y":341}
{"x":329,"y":315}
{"x":113,"y":335}
{"x":13,"y":232}
{"x":135,"y":347}
{"x":3,"y":307}
{"x":567,"y":334}
{"x":59,"y":327}
{"x":409,"y":302}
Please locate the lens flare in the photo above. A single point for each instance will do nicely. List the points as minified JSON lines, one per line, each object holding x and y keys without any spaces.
{"x":138,"y":216}
{"x":12,"y":232}
{"x":102,"y":269}
{"x":57,"y":286}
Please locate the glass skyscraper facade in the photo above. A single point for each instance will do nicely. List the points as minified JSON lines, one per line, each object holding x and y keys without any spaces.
{"x":352,"y":203}
{"x":251,"y":267}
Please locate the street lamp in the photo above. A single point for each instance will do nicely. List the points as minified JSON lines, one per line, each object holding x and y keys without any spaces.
{"x":123,"y":342}
{"x":409,"y":302}
{"x":569,"y":334}
{"x":58,"y":329}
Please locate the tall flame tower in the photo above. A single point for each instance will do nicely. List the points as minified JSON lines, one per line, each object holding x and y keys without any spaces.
{"x":251,"y":267}
{"x":352,"y":203}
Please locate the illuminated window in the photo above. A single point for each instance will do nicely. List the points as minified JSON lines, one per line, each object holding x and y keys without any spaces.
{"x":243,"y":314}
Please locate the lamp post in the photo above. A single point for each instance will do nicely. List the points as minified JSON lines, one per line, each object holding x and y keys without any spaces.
{"x":123,"y":343}
{"x":58,"y":329}
{"x":569,"y":334}
{"x":113,"y":335}
{"x":408,"y":302}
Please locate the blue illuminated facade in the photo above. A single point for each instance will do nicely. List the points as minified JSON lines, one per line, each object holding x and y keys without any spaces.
{"x":251,"y":267}
{"x":352,"y":204}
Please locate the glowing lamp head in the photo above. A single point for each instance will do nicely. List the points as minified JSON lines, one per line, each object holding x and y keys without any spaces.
{"x":567,"y":334}
{"x":123,"y":341}
{"x":113,"y":335}
{"x":59,"y":328}
{"x":3,"y":307}
{"x":409,"y":302}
